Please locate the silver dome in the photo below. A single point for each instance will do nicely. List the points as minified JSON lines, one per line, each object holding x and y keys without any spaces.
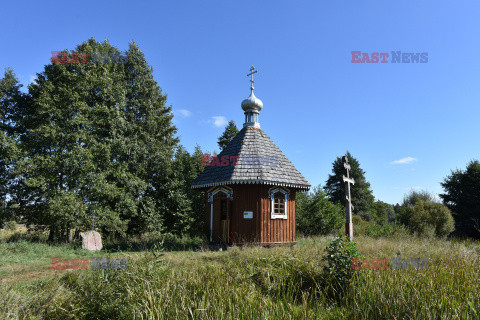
{"x":252,"y":103}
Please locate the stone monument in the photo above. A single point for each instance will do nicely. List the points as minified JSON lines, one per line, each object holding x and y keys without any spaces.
{"x":91,"y":240}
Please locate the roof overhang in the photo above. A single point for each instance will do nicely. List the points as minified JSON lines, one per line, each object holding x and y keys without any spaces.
{"x":273,"y":183}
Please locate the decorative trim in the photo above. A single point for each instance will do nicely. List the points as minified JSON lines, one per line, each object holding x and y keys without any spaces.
{"x":305,"y":187}
{"x":271,"y":193}
{"x":226,"y":190}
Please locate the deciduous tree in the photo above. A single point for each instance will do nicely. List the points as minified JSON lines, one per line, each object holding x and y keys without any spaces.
{"x":99,"y":141}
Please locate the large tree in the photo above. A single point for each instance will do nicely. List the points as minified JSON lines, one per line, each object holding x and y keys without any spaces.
{"x":462,"y":196}
{"x":99,"y":142}
{"x":230,"y":132}
{"x":361,"y":194}
{"x":10,"y":104}
{"x":187,"y":168}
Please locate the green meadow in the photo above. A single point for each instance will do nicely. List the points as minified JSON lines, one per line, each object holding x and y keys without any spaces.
{"x":179,"y":279}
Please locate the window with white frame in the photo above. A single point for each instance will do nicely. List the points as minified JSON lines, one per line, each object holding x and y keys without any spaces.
{"x":279,"y":200}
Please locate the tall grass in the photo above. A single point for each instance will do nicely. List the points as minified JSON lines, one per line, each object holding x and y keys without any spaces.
{"x":260,"y":283}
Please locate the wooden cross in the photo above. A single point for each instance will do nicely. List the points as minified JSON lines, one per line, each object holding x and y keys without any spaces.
{"x":348,"y":200}
{"x":252,"y":72}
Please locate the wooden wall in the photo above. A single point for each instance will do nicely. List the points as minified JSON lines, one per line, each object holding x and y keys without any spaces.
{"x":278,"y":230}
{"x":260,"y":229}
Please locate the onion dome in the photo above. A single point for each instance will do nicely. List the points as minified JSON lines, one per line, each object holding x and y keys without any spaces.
{"x":252,"y":105}
{"x":252,"y":102}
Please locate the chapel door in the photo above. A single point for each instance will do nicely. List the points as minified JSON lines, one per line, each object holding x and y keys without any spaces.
{"x":221,"y":218}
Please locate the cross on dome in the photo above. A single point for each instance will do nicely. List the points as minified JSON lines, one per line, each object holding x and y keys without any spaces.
{"x":252,"y":72}
{"x":252,"y":105}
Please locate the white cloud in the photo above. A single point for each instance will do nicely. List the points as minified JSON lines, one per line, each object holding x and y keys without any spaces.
{"x":184,"y":113}
{"x":219,"y":121}
{"x":406,"y":160}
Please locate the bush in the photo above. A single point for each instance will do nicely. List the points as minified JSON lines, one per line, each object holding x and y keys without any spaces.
{"x":410,"y":200}
{"x":430,"y":218}
{"x":317,"y":215}
{"x":338,"y":271}
{"x":424,"y":216}
{"x":11,"y":226}
{"x":375,"y":230}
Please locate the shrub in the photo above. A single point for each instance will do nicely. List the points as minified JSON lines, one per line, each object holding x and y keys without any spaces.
{"x":375,"y":230}
{"x":11,"y":226}
{"x":410,"y":200}
{"x":430,"y":218}
{"x":338,"y":271}
{"x":424,"y":216}
{"x":317,"y":215}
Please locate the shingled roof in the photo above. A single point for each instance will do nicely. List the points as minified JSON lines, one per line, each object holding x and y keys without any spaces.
{"x":260,"y":161}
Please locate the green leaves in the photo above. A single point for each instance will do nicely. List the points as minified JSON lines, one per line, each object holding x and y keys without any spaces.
{"x":462,"y":196}
{"x":338,"y":256}
{"x":422,"y":214}
{"x":430,"y":218}
{"x":99,"y":141}
{"x":316,"y":214}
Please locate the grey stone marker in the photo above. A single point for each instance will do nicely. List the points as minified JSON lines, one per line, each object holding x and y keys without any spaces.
{"x":91,"y":240}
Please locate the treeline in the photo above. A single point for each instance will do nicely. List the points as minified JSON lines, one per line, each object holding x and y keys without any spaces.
{"x":322,"y":211}
{"x":94,"y":143}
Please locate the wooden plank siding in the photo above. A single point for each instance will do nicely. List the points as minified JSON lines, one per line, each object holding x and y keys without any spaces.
{"x":278,"y":230}
{"x":262,"y":228}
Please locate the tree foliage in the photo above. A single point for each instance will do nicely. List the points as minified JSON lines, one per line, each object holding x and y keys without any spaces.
{"x":230,"y":132}
{"x":384,"y":213}
{"x":462,"y":196}
{"x":338,"y":270}
{"x":430,"y":218}
{"x":422,"y":214}
{"x":361,"y":194}
{"x":99,"y":141}
{"x":315,"y":214}
{"x":405,"y":211}
{"x":11,"y":100}
{"x":414,"y":197}
{"x":187,"y":168}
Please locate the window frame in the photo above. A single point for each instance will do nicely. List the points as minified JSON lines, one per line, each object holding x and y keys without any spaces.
{"x":286,"y":194}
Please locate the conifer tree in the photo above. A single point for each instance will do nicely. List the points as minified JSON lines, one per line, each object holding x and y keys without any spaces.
{"x":362,"y":197}
{"x":10,"y":101}
{"x":230,"y":132}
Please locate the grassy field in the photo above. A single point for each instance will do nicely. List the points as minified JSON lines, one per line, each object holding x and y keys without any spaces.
{"x":240,"y":283}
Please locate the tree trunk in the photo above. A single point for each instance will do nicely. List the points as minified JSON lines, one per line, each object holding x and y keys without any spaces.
{"x":51,"y":235}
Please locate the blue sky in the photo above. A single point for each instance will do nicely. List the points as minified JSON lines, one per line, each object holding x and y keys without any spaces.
{"x":407,"y":124}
